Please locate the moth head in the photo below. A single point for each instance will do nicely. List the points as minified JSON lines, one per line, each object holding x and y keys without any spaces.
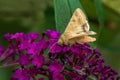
{"x":60,"y":41}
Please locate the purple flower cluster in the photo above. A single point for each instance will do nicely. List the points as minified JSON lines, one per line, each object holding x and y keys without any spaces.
{"x":42,"y":58}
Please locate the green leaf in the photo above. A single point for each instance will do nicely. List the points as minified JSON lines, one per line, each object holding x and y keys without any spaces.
{"x":99,"y":10}
{"x":75,"y":4}
{"x":62,"y":14}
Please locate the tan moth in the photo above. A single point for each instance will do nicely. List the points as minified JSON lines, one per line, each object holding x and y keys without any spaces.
{"x":77,"y":30}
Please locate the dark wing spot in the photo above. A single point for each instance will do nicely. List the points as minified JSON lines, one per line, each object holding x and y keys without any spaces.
{"x":73,"y":20}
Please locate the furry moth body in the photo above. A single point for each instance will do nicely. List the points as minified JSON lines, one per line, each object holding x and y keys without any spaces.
{"x":77,"y":30}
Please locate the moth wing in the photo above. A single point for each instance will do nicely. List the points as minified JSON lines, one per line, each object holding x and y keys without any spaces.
{"x":78,"y":25}
{"x":76,"y":22}
{"x":71,"y":35}
{"x":81,"y":40}
{"x":76,"y":29}
{"x":85,"y":39}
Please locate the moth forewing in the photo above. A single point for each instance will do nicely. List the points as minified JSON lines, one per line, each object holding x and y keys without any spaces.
{"x":77,"y":30}
{"x":76,"y":21}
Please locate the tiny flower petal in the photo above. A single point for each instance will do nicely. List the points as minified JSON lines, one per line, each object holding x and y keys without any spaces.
{"x":33,"y":36}
{"x":18,"y":36}
{"x":8,"y":36}
{"x":58,"y":76}
{"x":51,"y":34}
{"x":38,"y":61}
{"x":33,"y":49}
{"x":54,"y":49}
{"x":42,"y":45}
{"x":1,"y":50}
{"x":24,"y":45}
{"x":20,"y":74}
{"x":24,"y":59}
{"x":55,"y":67}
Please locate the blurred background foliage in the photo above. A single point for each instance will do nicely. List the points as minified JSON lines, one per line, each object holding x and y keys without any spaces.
{"x":38,"y":16}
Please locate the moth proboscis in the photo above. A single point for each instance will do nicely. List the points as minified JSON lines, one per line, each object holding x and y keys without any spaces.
{"x":77,"y":30}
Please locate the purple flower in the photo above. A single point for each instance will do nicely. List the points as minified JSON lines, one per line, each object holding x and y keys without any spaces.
{"x":8,"y":36}
{"x":38,"y":61}
{"x":24,"y":45}
{"x":77,"y":67}
{"x":74,"y":76}
{"x":24,"y":59}
{"x":58,"y":76}
{"x":66,"y":49}
{"x":52,"y":42}
{"x":42,"y":45}
{"x":17,"y":36}
{"x":20,"y":74}
{"x":95,"y":51}
{"x":7,"y":53}
{"x":52,"y":34}
{"x":30,"y":37}
{"x":1,"y":50}
{"x":33,"y":36}
{"x":76,"y":49}
{"x":56,"y":62}
{"x":118,"y":78}
{"x":33,"y":49}
{"x":55,"y":49}
{"x":55,"y":66}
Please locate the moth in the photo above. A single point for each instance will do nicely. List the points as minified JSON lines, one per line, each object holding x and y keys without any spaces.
{"x":77,"y":30}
